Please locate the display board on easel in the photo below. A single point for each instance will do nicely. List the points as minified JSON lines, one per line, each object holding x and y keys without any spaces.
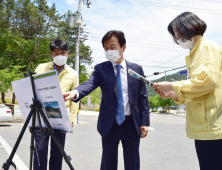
{"x":49,"y":94}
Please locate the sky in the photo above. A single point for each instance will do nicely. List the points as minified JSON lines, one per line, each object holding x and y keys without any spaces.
{"x":144,"y":23}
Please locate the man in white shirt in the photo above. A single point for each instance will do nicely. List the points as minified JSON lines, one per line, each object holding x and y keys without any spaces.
{"x":124,"y":110}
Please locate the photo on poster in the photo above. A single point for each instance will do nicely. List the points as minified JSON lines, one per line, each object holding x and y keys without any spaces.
{"x":52,"y":109}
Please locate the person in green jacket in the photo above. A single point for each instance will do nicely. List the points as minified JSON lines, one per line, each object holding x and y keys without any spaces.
{"x":202,"y":91}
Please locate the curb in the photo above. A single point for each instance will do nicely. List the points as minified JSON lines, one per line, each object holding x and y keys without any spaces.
{"x":21,"y":120}
{"x":17,"y":120}
{"x":154,"y":113}
{"x":181,"y":115}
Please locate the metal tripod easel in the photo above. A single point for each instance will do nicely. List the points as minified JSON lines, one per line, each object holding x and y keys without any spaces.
{"x":36,"y":111}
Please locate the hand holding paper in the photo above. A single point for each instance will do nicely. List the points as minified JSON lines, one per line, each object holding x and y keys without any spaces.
{"x":163,"y":86}
{"x":139,"y":77}
{"x":69,"y":95}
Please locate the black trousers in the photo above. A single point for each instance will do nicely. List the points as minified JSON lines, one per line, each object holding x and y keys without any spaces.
{"x":209,"y":153}
{"x":40,"y":161}
{"x":127,"y":134}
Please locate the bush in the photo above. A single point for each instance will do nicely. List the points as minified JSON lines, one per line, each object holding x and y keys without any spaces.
{"x":9,"y":101}
{"x":84,"y":109}
{"x":96,"y":109}
{"x":84,"y":100}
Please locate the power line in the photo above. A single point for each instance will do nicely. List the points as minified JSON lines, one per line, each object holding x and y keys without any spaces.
{"x":173,"y":6}
{"x":96,"y":40}
{"x":87,"y":3}
{"x":166,"y":71}
{"x":85,"y":11}
{"x":179,"y":6}
{"x":132,"y":37}
{"x":140,"y":65}
{"x":155,"y":66}
{"x":154,"y":61}
{"x":212,"y":1}
{"x":155,"y":48}
{"x":94,"y":34}
{"x":172,"y":46}
{"x":176,"y":47}
{"x":176,"y":63}
{"x":135,"y":37}
{"x":34,"y":36}
{"x":142,"y":60}
{"x":169,"y":60}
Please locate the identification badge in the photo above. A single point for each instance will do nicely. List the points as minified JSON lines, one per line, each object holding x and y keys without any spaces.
{"x":188,"y":74}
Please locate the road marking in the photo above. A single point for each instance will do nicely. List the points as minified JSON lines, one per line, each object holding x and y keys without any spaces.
{"x":80,"y":122}
{"x":18,"y":162}
{"x":151,"y":128}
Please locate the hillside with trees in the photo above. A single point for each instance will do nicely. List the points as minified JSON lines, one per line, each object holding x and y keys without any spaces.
{"x":169,"y":78}
{"x":26,"y":29}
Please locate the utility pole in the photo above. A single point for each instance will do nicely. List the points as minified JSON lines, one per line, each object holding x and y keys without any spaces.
{"x":77,"y":53}
{"x":76,"y":20}
{"x":77,"y":43}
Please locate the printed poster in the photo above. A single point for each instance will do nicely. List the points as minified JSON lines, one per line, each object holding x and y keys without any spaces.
{"x":49,"y":94}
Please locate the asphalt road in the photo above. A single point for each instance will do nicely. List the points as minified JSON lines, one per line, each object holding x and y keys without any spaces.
{"x":165,"y":148}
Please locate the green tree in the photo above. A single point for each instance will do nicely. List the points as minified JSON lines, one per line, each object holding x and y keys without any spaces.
{"x":26,"y":29}
{"x":165,"y":102}
{"x":153,"y":102}
{"x":18,"y":51}
{"x":84,"y":74}
{"x":6,"y":77}
{"x":169,"y":102}
{"x":95,"y":96}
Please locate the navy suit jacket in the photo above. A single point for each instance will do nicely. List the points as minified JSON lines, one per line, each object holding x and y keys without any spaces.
{"x":104,"y":77}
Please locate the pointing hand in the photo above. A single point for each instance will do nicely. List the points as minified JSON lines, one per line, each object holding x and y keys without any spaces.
{"x":69,"y":95}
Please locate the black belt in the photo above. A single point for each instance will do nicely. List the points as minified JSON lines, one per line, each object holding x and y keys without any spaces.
{"x":127,"y":116}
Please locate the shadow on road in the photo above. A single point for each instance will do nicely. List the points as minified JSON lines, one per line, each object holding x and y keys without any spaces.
{"x":3,"y":125}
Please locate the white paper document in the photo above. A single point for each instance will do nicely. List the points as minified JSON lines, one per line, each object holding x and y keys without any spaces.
{"x":49,"y":94}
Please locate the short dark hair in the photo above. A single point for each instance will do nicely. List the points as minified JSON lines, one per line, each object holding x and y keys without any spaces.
{"x":118,"y":34}
{"x":188,"y":25}
{"x":59,"y":44}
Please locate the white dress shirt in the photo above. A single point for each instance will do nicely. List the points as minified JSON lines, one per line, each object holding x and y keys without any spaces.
{"x":123,"y":74}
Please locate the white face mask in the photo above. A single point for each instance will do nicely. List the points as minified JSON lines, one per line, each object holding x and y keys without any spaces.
{"x":60,"y":60}
{"x":113,"y":55}
{"x":186,"y":45}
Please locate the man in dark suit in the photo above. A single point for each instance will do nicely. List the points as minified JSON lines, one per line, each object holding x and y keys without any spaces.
{"x":124,"y":110}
